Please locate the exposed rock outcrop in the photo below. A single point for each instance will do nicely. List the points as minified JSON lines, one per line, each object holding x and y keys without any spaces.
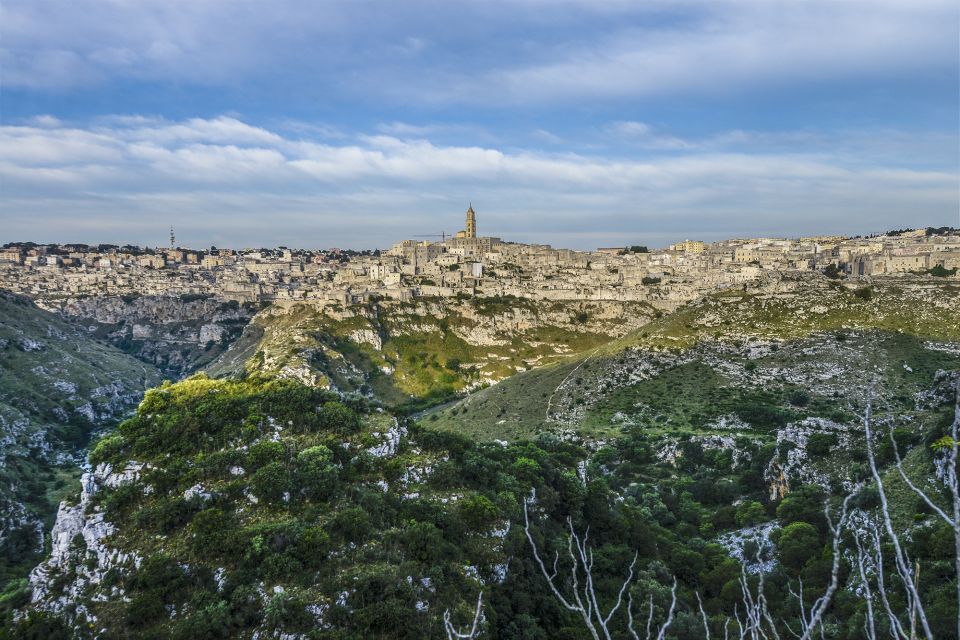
{"x":79,"y":544}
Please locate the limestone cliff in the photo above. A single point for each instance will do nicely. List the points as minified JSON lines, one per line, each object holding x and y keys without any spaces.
{"x":177,"y":334}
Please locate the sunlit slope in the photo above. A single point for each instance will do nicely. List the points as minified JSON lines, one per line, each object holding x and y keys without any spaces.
{"x":420,"y":353}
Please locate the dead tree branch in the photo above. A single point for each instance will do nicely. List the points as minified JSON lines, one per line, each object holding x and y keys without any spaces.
{"x":453,"y":633}
{"x":583,"y":598}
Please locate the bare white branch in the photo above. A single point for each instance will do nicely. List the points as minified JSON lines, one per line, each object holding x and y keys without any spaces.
{"x":453,"y":633}
{"x":903,"y":565}
{"x":583,"y":598}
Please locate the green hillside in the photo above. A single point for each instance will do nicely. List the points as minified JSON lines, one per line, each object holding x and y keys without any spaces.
{"x":57,"y":387}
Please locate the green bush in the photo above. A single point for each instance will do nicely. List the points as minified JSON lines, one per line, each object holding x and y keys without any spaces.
{"x":941,"y":272}
{"x":749,"y":513}
{"x":288,"y":612}
{"x":107,"y":449}
{"x":477,"y":512}
{"x":804,"y":504}
{"x":316,"y":473}
{"x":832,"y":272}
{"x":352,"y":525}
{"x":264,"y":452}
{"x":819,"y":444}
{"x":41,"y":625}
{"x":337,"y":417}
{"x":799,"y":398}
{"x":212,"y":533}
{"x":271,"y":482}
{"x":797,"y":544}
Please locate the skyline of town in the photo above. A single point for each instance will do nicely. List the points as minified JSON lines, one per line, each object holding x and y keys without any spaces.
{"x":627,"y":241}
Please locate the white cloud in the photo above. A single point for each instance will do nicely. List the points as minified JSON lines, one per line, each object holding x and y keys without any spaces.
{"x":642,"y":134}
{"x":247,"y":185}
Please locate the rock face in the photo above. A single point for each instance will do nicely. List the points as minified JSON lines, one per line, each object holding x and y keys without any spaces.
{"x":177,"y":334}
{"x":78,"y":544}
{"x":58,"y":386}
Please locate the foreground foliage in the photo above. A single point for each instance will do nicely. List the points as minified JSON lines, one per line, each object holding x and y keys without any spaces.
{"x":273,"y":507}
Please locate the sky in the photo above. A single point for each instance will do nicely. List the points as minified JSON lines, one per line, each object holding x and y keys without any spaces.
{"x":579,"y":123}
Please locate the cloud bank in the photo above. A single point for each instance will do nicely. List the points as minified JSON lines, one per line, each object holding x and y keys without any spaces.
{"x":226,"y":182}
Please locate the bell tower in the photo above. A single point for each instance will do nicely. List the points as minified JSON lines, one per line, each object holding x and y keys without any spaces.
{"x":470,"y":231}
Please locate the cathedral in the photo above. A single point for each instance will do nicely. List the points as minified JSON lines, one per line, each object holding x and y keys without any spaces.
{"x":471,"y":229}
{"x":465,"y":243}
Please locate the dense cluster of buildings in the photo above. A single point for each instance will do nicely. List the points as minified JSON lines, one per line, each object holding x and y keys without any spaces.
{"x":464,"y":264}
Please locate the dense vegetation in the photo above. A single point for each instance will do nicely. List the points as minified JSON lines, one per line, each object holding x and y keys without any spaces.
{"x":273,"y":506}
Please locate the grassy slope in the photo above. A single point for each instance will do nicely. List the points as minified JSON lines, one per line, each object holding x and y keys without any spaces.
{"x":888,"y":330}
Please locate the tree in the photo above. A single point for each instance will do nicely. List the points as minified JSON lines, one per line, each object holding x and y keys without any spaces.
{"x":749,"y":513}
{"x":833,"y":272}
{"x":804,"y":504}
{"x":316,"y":472}
{"x":454,"y":633}
{"x":946,"y":446}
{"x":477,"y":512}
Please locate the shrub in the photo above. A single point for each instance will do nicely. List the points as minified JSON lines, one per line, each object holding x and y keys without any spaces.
{"x":687,"y":564}
{"x":264,"y":452}
{"x":819,"y":444}
{"x":211,"y":533}
{"x":352,"y":525}
{"x":805,"y":504}
{"x":107,"y":449}
{"x":316,"y":472}
{"x":423,"y":542}
{"x":271,"y":482}
{"x":526,"y":469}
{"x":477,"y":512}
{"x":287,"y":612}
{"x":337,"y":417}
{"x":941,"y":272}
{"x":40,"y":625}
{"x":799,"y":398}
{"x":832,"y":272}
{"x":798,"y":543}
{"x":749,"y":513}
{"x":16,"y":594}
{"x":904,"y":439}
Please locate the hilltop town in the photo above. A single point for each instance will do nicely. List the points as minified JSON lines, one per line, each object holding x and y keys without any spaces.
{"x":466,"y":264}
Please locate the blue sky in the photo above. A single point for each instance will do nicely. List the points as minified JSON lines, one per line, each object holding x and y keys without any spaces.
{"x":579,"y":123}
